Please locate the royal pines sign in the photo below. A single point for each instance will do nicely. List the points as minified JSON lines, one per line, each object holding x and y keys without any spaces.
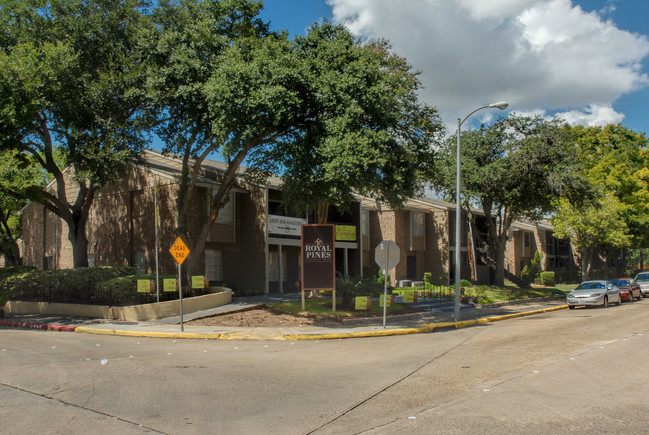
{"x":318,"y":257}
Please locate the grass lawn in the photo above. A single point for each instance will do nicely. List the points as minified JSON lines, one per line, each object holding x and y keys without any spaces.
{"x":322,"y":307}
{"x":512,"y":292}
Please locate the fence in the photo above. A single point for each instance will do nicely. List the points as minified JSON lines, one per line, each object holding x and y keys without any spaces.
{"x":434,"y":293}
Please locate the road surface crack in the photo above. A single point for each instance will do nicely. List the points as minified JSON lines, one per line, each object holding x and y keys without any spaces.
{"x":85,"y":408}
{"x":398,"y":381}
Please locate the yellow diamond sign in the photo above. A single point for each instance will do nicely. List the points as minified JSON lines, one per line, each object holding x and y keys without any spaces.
{"x":179,"y":251}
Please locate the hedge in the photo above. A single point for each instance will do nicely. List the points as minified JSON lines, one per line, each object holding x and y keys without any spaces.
{"x":547,"y":278}
{"x":123,"y":290}
{"x":68,"y":285}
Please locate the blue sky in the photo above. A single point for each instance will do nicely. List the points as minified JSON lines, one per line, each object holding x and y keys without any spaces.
{"x":586,"y":61}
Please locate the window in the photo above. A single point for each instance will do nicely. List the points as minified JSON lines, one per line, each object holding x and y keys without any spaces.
{"x":214,"y":264}
{"x":417,"y":224}
{"x":558,"y":252}
{"x":139,"y":262}
{"x":550,"y":244}
{"x":273,"y":265}
{"x":48,"y":262}
{"x":526,"y":239}
{"x":226,"y":213}
{"x":276,"y":208}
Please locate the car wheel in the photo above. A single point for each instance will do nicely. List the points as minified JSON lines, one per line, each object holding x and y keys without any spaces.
{"x":605,"y":304}
{"x":571,"y":307}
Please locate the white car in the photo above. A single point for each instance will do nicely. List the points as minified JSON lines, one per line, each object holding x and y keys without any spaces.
{"x":598,"y":292}
{"x":642,"y":279}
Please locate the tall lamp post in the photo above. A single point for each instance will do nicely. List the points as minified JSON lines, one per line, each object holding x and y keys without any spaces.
{"x":502,"y":105}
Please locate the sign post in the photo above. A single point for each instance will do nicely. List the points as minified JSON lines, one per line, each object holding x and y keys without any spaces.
{"x":386,"y":255}
{"x":179,"y":251}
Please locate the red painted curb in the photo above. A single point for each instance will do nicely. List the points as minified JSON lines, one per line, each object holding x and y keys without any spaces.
{"x":47,"y":327}
{"x":62,"y":328}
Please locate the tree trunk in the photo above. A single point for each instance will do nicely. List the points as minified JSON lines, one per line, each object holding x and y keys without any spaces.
{"x":78,"y":239}
{"x":12,"y":254}
{"x":499,"y":280}
{"x":586,"y":259}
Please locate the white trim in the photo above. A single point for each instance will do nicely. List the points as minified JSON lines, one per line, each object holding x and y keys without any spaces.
{"x":347,"y":245}
{"x":286,"y":242}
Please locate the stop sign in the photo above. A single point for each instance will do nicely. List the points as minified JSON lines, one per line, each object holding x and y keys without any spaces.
{"x":387,"y":255}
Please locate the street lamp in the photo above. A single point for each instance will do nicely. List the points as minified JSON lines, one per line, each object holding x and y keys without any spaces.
{"x":502,"y":105}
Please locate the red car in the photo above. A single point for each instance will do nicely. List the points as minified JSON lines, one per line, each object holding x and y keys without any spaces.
{"x":629,"y":290}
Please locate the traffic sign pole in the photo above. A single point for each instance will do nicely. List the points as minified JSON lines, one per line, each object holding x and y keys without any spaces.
{"x":386,"y":256}
{"x":179,"y":251}
{"x":180,"y":298}
{"x":385,"y":285}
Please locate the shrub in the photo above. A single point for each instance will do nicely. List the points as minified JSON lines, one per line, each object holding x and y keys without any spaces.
{"x":123,"y":289}
{"x":380,"y":280}
{"x":547,"y":279}
{"x":33,"y":285}
{"x":532,"y":270}
{"x":349,"y":288}
{"x":84,"y":279}
{"x":6,"y":272}
{"x":6,"y":291}
{"x":70,"y":285}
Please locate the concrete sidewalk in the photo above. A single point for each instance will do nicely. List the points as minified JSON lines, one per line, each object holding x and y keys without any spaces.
{"x":434,"y":318}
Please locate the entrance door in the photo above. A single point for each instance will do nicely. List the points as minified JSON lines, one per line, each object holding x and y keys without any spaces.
{"x":411,"y":267}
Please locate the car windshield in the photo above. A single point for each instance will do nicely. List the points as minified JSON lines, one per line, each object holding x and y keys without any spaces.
{"x":642,"y":277}
{"x":590,"y":286}
{"x":621,"y":282}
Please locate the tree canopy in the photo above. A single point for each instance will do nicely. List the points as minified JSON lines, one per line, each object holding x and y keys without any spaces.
{"x":369,"y":135}
{"x":71,"y":80}
{"x":616,"y":164}
{"x":591,"y":225}
{"x":511,"y":170}
{"x":616,"y":159}
{"x":275,"y":103}
{"x":17,"y":177}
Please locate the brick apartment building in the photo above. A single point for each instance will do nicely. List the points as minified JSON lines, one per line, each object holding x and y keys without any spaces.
{"x":255,"y":242}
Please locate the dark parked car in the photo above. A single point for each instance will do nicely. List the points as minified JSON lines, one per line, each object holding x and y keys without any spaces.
{"x":629,"y":289}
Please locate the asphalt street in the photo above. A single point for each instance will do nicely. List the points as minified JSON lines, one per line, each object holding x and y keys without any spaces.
{"x":577,"y":371}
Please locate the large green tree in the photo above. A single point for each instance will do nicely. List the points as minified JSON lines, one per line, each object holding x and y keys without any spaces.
{"x":596,"y":223}
{"x":71,"y":80}
{"x":371,"y":135}
{"x":222,"y":85}
{"x":616,"y":160}
{"x":513,"y":169}
{"x":16,"y":175}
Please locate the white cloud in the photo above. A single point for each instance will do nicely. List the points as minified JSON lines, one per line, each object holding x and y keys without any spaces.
{"x":593,"y":115}
{"x":547,"y":54}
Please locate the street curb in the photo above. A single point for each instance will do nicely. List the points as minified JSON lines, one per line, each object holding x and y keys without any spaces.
{"x":44,"y":326}
{"x":149,"y":334}
{"x":256,"y":336}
